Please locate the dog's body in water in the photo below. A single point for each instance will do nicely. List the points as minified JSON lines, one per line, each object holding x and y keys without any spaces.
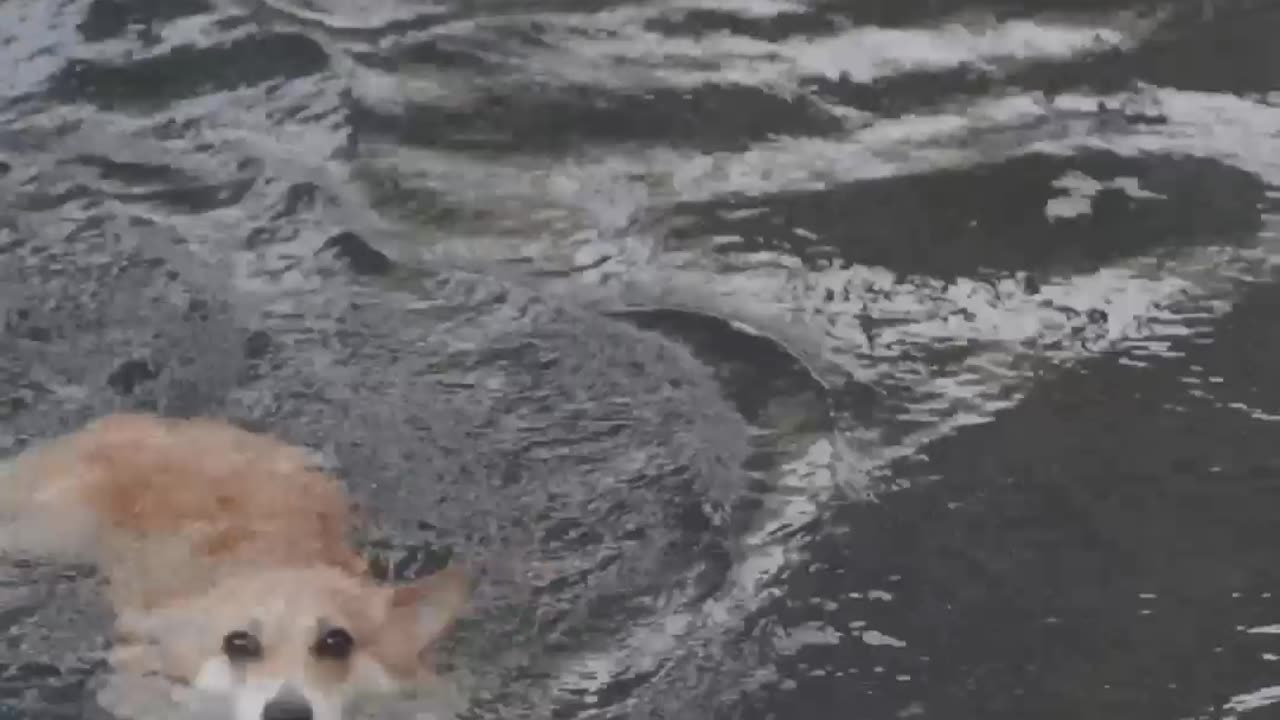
{"x":228,"y":565}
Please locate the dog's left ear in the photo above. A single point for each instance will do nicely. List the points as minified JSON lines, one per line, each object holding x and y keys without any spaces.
{"x":432,"y":604}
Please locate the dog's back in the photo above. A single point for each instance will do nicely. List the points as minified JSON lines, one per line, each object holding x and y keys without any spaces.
{"x":167,"y":506}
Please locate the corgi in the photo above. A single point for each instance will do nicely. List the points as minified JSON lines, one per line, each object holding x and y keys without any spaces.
{"x":228,"y":565}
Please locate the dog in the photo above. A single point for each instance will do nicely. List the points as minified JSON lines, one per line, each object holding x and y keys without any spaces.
{"x":228,"y":564}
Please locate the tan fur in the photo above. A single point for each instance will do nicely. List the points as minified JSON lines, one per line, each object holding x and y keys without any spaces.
{"x":202,"y":528}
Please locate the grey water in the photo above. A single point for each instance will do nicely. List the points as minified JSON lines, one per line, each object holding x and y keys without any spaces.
{"x":768,"y":358}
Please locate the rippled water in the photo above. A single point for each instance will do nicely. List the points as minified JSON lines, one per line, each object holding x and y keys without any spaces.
{"x":770,"y":359}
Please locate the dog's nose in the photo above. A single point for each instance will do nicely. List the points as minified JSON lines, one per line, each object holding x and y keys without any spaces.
{"x":287,"y":709}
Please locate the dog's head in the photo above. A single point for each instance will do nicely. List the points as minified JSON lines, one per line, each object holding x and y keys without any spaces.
{"x":296,"y":644}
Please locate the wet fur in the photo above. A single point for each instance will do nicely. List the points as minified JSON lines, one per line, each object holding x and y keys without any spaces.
{"x":202,"y":528}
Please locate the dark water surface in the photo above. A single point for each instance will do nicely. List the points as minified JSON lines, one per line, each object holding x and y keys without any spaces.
{"x":769,"y":358}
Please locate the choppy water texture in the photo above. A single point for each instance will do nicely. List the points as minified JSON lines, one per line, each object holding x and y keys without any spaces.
{"x":769,"y":359}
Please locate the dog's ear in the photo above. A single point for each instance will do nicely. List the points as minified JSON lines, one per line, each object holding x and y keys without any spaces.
{"x":430,"y":605}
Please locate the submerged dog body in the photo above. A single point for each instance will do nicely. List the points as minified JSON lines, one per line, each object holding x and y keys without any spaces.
{"x":228,"y":564}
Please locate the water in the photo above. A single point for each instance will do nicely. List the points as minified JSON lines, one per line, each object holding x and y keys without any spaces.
{"x":768,"y":359}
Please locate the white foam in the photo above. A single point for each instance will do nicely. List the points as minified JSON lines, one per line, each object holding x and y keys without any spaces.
{"x":38,"y":39}
{"x":613,"y":48}
{"x":861,"y":54}
{"x":1081,"y":189}
{"x":356,"y":14}
{"x":742,"y":8}
{"x":791,"y":640}
{"x":875,"y":637}
{"x":1254,"y":699}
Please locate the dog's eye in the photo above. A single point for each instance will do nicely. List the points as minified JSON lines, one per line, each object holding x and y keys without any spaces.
{"x":241,"y":645}
{"x":334,"y":644}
